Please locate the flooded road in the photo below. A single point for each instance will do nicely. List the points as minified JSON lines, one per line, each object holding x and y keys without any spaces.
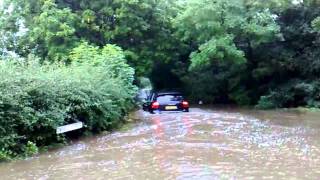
{"x":202,"y":144}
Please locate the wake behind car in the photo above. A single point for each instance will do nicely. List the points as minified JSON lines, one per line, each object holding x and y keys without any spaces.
{"x":166,"y":101}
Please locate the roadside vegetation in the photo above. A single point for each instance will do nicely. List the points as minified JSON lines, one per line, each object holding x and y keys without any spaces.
{"x":37,"y":98}
{"x":253,"y":52}
{"x":78,"y":60}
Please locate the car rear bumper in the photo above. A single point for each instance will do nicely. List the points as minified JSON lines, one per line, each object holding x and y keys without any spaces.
{"x":175,"y":110}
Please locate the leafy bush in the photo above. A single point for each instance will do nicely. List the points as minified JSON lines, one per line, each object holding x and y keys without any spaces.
{"x":31,"y":149}
{"x":293,"y":94}
{"x":316,"y":24}
{"x":5,"y":154}
{"x":35,"y":99}
{"x":274,"y":100}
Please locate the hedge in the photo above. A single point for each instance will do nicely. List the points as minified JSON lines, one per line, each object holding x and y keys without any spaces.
{"x":36,"y":98}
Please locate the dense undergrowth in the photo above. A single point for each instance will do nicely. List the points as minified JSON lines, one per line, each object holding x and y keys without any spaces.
{"x":36,"y":99}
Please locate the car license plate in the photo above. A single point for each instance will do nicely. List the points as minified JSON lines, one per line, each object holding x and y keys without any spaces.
{"x":171,"y":107}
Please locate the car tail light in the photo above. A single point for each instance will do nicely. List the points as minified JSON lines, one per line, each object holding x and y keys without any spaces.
{"x":155,"y":105}
{"x":185,"y":104}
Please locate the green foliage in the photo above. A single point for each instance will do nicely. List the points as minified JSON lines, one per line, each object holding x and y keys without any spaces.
{"x":36,"y":99}
{"x":142,"y":28}
{"x":246,"y":52}
{"x":4,"y":155}
{"x":292,"y":67}
{"x":55,"y":29}
{"x":31,"y":149}
{"x":216,"y":50}
{"x":316,"y":24}
{"x":217,"y":26}
{"x":274,"y":100}
{"x":225,"y":33}
{"x":292,"y":94}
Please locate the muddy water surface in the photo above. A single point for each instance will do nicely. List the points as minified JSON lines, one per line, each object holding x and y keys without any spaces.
{"x":202,"y":144}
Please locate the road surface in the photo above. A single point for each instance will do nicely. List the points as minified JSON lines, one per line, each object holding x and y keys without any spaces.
{"x":202,"y":144}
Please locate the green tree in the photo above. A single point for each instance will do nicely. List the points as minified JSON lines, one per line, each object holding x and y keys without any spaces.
{"x":9,"y":28}
{"x":142,"y":28}
{"x":225,"y":33}
{"x":53,"y":32}
{"x":290,"y":68}
{"x":220,"y":28}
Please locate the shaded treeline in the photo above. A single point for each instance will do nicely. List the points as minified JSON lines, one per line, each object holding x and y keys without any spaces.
{"x":246,"y":52}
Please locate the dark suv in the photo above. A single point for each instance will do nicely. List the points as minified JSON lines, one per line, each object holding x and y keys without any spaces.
{"x":166,"y":101}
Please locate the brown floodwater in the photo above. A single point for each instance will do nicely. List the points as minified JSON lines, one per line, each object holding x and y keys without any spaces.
{"x":203,"y":144}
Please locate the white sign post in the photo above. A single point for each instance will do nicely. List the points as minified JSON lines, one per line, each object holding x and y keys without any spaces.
{"x":69,"y":127}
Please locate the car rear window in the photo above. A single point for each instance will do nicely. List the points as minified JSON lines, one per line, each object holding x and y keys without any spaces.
{"x":169,"y":98}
